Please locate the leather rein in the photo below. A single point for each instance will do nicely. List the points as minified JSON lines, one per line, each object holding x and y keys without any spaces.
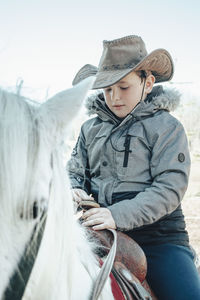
{"x":105,"y":269}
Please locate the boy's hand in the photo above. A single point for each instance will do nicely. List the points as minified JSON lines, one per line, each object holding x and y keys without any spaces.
{"x":99,"y":218}
{"x":79,"y":194}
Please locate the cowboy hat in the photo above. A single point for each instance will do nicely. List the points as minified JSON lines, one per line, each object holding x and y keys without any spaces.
{"x":124,"y":55}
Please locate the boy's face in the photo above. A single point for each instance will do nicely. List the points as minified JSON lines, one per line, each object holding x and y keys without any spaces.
{"x":123,"y":96}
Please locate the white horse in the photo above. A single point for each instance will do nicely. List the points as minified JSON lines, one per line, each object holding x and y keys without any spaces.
{"x":33,"y":187}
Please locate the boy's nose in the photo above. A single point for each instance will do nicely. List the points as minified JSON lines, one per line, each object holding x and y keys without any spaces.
{"x":115,"y":95}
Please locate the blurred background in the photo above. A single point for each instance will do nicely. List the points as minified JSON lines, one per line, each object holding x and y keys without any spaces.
{"x":44,"y":43}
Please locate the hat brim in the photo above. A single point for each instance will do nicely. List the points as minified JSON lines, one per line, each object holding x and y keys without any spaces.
{"x":85,"y":72}
{"x":159,"y":62}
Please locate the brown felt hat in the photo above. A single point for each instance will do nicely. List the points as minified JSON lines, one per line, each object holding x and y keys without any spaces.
{"x":124,"y":55}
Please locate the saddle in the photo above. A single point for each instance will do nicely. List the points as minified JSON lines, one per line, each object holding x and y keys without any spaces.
{"x":130,"y":265}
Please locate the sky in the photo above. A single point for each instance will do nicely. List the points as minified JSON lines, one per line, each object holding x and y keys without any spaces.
{"x":44,"y":43}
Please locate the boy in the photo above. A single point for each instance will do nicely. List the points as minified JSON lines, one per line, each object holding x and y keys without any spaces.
{"x":134,"y":160}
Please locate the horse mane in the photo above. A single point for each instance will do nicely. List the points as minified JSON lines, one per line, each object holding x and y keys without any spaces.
{"x":17,"y":132}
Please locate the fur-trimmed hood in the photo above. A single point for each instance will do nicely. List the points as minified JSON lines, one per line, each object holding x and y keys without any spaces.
{"x":159,"y":99}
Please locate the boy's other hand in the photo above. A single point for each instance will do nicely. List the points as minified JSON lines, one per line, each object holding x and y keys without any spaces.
{"x":99,"y":218}
{"x":79,"y":194}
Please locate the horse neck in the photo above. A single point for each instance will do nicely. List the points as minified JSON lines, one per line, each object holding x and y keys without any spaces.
{"x":70,"y":260}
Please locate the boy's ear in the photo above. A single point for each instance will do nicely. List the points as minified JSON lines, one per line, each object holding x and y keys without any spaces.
{"x":150,"y":80}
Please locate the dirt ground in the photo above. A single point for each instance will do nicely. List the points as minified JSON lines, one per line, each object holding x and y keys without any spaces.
{"x":191,"y":206}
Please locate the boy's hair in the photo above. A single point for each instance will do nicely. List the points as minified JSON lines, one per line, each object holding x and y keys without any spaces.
{"x":143,"y":74}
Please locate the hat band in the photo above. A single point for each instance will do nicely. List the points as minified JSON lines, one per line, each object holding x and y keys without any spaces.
{"x":120,"y":67}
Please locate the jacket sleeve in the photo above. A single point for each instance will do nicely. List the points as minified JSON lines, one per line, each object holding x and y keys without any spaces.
{"x":77,"y":165}
{"x":169,"y":167}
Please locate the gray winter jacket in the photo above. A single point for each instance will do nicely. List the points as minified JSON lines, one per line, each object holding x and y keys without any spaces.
{"x":142,"y":160}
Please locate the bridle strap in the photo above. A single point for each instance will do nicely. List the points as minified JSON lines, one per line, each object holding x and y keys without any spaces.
{"x":18,"y":281}
{"x":105,"y":269}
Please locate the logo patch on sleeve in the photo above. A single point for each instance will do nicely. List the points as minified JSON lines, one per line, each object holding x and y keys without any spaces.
{"x":181,"y":157}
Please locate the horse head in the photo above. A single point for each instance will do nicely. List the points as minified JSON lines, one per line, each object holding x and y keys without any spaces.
{"x":32,"y":185}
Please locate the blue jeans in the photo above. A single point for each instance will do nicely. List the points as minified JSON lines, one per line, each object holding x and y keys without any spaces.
{"x":171,"y":272}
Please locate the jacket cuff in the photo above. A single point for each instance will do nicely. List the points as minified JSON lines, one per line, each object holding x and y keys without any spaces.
{"x":118,"y":218}
{"x":77,"y":182}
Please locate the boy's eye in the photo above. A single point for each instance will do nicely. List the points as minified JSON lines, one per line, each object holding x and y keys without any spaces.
{"x":124,"y":88}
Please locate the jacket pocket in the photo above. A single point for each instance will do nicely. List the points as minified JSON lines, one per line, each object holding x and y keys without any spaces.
{"x":94,"y":151}
{"x":95,"y":134}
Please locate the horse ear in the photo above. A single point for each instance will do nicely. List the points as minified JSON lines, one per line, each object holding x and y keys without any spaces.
{"x":59,"y":110}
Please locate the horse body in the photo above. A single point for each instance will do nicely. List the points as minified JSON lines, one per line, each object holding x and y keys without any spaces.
{"x":32,"y":176}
